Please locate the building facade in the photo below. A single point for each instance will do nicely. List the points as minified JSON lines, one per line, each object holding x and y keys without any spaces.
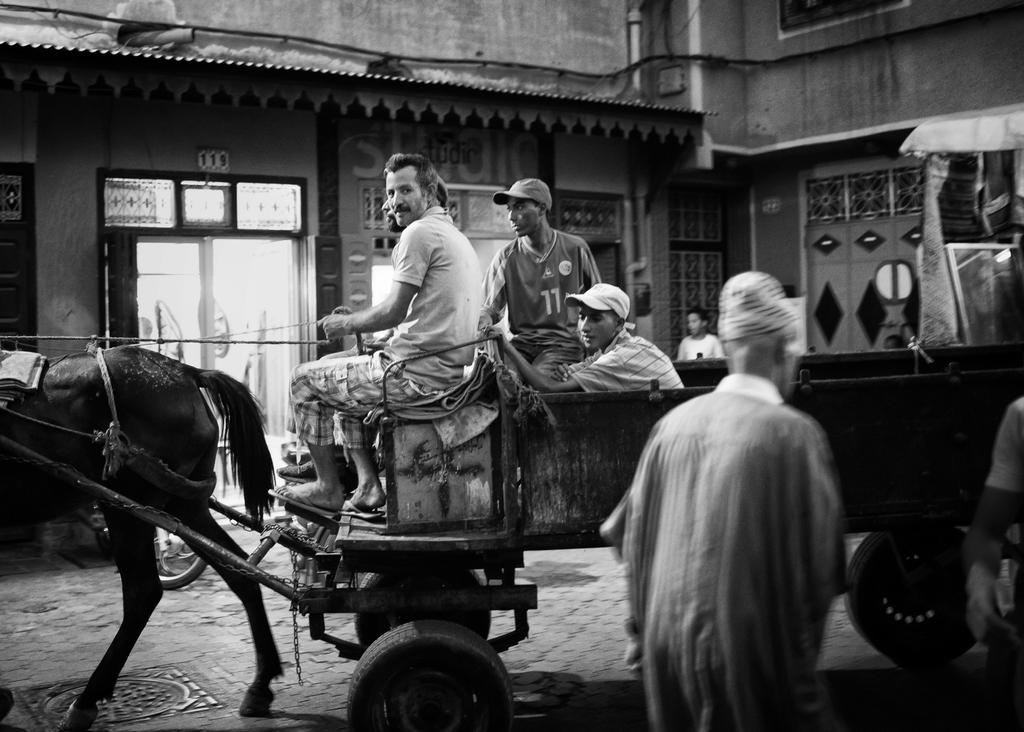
{"x":187,"y":170}
{"x":194,"y":190}
{"x":812,"y":101}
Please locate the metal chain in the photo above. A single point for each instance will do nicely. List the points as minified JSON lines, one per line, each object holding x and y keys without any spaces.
{"x":300,"y":537}
{"x":295,"y":617}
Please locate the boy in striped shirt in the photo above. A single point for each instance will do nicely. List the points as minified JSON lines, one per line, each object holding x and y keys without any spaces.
{"x":619,"y":361}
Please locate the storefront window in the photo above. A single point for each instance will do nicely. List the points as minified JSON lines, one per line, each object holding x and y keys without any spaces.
{"x":246,"y":205}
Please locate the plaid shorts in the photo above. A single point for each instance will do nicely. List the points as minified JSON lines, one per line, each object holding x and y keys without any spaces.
{"x":349,"y":386}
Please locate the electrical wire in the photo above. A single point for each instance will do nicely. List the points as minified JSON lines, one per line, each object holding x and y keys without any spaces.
{"x":484,"y":63}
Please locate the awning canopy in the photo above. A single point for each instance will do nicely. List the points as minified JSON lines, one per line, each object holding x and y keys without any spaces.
{"x":987,"y":133}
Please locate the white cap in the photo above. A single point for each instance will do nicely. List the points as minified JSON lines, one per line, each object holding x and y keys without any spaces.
{"x":603,"y":296}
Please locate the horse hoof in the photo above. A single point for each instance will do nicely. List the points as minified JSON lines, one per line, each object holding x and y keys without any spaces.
{"x":256,"y":703}
{"x":77,"y":719}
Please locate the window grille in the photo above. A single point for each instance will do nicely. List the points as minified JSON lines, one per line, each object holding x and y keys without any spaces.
{"x":145,"y":202}
{"x":908,"y":191}
{"x":269,"y":206}
{"x":373,"y":212}
{"x":11,"y":206}
{"x":865,"y":196}
{"x":244,"y":205}
{"x":598,"y":218}
{"x":695,"y":216}
{"x":695,"y":280}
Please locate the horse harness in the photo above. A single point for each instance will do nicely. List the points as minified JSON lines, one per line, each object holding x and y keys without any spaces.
{"x":118,"y":451}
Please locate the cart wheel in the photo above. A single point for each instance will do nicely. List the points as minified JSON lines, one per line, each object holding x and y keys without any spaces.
{"x":906,"y":596}
{"x":176,"y":563}
{"x":371,"y":626}
{"x":430,"y":676}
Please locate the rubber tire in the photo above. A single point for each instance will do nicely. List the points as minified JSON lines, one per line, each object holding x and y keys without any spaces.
{"x":413,"y":674}
{"x":180,"y":579}
{"x":371,"y":626}
{"x":918,"y":626}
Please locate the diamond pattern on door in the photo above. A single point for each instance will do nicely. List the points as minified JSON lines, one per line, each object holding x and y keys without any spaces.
{"x":871,"y":312}
{"x":913,"y":237}
{"x":870,"y":240}
{"x":826,"y":244}
{"x":828,"y":313}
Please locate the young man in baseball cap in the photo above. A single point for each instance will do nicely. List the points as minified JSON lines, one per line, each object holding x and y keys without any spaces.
{"x":529,"y":278}
{"x":619,"y":362}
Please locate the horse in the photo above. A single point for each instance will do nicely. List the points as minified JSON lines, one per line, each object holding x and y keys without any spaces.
{"x":143,"y":405}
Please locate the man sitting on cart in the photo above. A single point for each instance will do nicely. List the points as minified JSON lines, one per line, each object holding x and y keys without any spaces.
{"x":433,"y":305}
{"x":619,"y":361}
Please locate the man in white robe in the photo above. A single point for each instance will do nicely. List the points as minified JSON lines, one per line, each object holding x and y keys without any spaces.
{"x":733,"y":540}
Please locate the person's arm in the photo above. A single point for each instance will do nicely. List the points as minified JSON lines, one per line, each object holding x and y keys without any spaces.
{"x":982,"y":553}
{"x":588,"y":266}
{"x":494,"y":300}
{"x":386,"y":314}
{"x":537,"y":378}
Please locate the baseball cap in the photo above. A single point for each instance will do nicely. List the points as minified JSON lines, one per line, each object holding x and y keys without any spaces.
{"x":533,"y":189}
{"x":603,"y":296}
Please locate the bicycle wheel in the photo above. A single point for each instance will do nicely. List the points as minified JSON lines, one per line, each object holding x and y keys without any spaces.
{"x":176,"y":563}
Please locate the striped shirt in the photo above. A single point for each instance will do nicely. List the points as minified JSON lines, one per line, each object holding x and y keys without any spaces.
{"x":629,"y":363}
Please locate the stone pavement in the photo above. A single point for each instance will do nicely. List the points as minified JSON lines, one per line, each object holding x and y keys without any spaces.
{"x":56,"y":621}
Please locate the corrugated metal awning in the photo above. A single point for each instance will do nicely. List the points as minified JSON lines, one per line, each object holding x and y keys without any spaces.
{"x":200,"y":80}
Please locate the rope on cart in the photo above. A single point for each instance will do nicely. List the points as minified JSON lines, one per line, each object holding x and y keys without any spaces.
{"x":528,"y":401}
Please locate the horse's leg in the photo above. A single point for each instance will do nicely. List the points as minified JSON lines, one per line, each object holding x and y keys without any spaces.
{"x":258,"y":696}
{"x":132,"y":542}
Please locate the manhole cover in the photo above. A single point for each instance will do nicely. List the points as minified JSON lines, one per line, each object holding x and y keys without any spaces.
{"x":139,"y":695}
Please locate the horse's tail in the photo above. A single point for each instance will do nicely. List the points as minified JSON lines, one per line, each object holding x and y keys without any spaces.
{"x":242,"y":427}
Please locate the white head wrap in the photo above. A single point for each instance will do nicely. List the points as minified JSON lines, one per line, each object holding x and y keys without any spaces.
{"x":751,"y":304}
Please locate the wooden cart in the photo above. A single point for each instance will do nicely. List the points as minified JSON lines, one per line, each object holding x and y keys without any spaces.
{"x":911,"y":441}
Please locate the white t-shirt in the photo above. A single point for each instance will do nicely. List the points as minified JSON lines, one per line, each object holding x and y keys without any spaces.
{"x":438,"y":259}
{"x":691,"y":348}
